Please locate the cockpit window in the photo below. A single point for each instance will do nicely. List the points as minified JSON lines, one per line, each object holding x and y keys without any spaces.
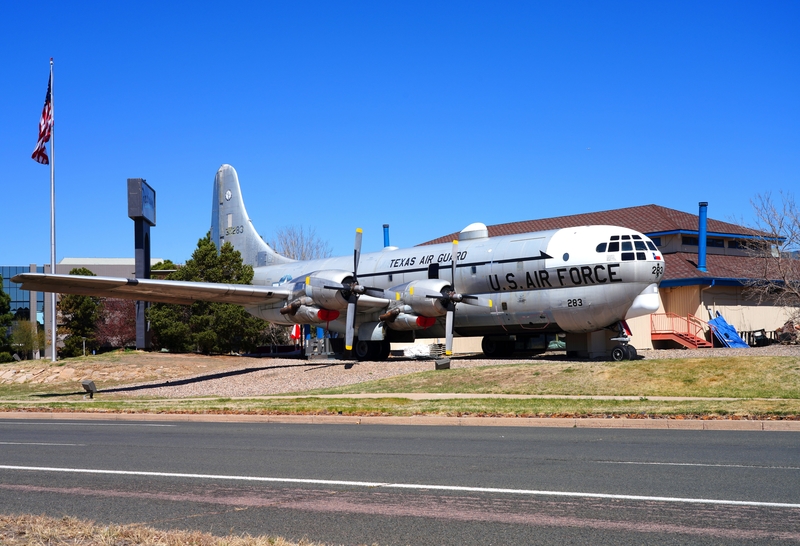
{"x":636,"y":237}
{"x":615,"y":237}
{"x":639,"y":245}
{"x":626,"y":237}
{"x":651,"y":245}
{"x":627,"y":245}
{"x":601,"y":247}
{"x":613,"y":247}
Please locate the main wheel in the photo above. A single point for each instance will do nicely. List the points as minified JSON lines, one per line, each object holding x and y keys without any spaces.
{"x":370,"y":350}
{"x":618,"y":353}
{"x":497,"y":348}
{"x":361,"y":350}
{"x":632,"y":352}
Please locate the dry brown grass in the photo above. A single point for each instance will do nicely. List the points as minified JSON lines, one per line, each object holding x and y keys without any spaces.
{"x":43,"y":530}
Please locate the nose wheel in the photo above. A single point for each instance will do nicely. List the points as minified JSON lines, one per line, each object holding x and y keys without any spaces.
{"x":623,"y":351}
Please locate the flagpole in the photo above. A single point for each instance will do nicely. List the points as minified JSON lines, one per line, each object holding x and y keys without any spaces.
{"x":53,"y":324}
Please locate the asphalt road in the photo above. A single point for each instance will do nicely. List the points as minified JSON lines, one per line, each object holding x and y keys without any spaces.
{"x":350,"y":484}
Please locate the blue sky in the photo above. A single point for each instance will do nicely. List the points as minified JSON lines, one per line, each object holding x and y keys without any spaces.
{"x":427,"y":116}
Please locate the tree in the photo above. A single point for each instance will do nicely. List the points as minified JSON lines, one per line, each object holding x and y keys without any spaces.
{"x":207,"y":326}
{"x":116,"y":326}
{"x":296,"y":243}
{"x":775,"y":276}
{"x":5,"y":321}
{"x":26,"y":338}
{"x":79,"y":315}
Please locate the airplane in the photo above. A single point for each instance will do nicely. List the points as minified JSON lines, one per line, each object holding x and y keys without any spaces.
{"x":509,"y":289}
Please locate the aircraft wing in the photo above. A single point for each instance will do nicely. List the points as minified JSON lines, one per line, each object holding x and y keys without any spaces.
{"x":183,"y":292}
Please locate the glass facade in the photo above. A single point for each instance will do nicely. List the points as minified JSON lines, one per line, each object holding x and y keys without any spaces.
{"x":21,"y":299}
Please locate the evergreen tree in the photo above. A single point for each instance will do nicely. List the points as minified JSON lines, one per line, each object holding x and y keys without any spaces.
{"x":79,"y":315}
{"x":206,"y":326}
{"x":5,"y":324}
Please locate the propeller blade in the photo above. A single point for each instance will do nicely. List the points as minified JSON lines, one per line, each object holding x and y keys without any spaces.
{"x":448,"y":347}
{"x":357,"y":253}
{"x":351,"y":320}
{"x":454,"y":255}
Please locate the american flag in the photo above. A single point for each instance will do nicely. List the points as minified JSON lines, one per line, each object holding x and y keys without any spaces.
{"x":45,"y":127}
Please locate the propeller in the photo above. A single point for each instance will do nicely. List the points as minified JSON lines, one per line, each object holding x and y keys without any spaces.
{"x":354,"y":291}
{"x":451,"y":297}
{"x":351,"y":289}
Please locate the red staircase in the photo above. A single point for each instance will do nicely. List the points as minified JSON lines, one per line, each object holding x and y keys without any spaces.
{"x":688,"y":331}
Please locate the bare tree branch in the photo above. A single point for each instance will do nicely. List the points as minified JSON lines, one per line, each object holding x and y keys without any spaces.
{"x":297,"y":243}
{"x":775,"y":275}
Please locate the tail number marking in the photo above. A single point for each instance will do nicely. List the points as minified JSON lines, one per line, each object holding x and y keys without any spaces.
{"x":234,"y":230}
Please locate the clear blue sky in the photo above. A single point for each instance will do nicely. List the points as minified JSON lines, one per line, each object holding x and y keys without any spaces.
{"x":425,"y":115}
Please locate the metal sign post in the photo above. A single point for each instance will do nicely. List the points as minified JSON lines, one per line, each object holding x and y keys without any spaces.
{"x":142,"y":210}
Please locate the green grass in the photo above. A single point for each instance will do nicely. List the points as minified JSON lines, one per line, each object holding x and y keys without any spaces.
{"x":761,"y":387}
{"x":733,"y":377}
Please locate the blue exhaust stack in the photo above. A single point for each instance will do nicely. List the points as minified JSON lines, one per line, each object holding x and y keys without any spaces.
{"x":701,"y":236}
{"x":385,"y":235}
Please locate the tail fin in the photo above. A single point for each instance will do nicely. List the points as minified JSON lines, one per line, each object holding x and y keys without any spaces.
{"x":230,"y":222}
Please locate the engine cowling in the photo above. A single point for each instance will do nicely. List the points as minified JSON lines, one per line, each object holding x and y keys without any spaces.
{"x":328,"y":298}
{"x":415,"y":295}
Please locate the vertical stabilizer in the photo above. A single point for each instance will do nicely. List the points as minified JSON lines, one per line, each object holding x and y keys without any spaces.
{"x":230,"y":222}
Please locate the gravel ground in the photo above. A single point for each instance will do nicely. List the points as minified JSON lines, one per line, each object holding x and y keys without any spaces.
{"x":275,"y":376}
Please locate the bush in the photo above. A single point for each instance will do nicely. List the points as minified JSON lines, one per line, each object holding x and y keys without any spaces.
{"x":6,"y":357}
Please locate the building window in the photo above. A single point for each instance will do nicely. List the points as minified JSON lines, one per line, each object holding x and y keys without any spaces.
{"x":656,"y":240}
{"x":690,"y":241}
{"x":715,"y":243}
{"x":737,"y":244}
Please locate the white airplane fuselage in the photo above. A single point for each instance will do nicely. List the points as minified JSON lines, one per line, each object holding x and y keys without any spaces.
{"x":548,"y":281}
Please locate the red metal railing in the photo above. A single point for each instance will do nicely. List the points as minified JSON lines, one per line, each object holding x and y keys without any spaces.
{"x":670,"y":323}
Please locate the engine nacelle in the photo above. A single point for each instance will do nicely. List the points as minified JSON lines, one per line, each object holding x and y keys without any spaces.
{"x":404,"y":322}
{"x":328,"y":298}
{"x":313,"y":315}
{"x":415,"y":295}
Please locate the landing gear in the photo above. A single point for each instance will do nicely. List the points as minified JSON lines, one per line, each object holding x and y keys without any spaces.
{"x":623,"y":351}
{"x":371,"y":350}
{"x":497,"y":348}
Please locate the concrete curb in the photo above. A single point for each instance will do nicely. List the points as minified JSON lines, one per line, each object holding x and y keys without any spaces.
{"x":571,"y":422}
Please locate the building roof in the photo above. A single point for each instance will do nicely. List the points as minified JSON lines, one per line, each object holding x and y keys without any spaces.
{"x":104,"y":261}
{"x":648,"y":219}
{"x":683,"y":265}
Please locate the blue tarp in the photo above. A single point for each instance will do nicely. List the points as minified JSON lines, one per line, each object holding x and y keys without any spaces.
{"x":726,"y":333}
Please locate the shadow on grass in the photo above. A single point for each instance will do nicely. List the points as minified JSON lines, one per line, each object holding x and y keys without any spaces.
{"x":191,"y":380}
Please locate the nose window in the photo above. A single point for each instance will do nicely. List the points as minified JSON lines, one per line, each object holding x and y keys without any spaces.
{"x":628,"y":243}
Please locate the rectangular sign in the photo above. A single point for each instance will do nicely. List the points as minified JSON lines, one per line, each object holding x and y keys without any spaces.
{"x":141,"y":201}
